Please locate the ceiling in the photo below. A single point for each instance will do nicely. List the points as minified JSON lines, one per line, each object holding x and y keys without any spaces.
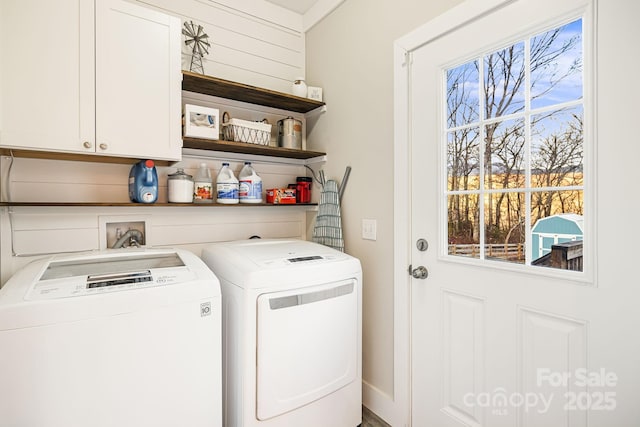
{"x":298,"y":6}
{"x":310,"y":11}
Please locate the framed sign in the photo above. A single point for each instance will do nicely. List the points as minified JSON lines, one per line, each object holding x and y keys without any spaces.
{"x":201,"y":122}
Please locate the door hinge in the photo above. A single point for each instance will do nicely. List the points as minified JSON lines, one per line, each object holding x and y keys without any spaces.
{"x":408,"y":58}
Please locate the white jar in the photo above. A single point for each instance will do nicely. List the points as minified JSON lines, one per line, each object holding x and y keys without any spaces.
{"x":299,"y":87}
{"x":180,"y":187}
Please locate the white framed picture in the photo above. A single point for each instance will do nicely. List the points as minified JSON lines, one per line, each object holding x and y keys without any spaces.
{"x":201,"y":122}
{"x":314,"y":93}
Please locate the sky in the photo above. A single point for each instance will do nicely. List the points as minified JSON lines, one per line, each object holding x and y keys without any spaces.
{"x":569,"y":88}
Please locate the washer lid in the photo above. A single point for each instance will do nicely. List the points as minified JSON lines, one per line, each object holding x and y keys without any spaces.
{"x":122,"y":265}
{"x":72,"y":277}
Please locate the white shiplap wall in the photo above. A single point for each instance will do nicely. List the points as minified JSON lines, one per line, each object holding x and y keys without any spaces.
{"x":253,"y":42}
{"x":28,"y":232}
{"x":32,"y":232}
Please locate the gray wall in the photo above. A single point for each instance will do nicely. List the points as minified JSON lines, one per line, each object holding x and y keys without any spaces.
{"x":350,"y":55}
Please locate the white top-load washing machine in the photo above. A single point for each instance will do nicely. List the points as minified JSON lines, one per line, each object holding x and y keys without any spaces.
{"x":115,"y":338}
{"x":292,"y":336}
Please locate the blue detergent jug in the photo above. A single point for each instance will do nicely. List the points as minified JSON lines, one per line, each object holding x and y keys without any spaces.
{"x":143,"y":182}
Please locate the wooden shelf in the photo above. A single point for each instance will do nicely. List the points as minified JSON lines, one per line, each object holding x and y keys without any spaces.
{"x":76,"y":157}
{"x":245,"y":148}
{"x":124,"y":204}
{"x":213,"y":86}
{"x":221,"y":88}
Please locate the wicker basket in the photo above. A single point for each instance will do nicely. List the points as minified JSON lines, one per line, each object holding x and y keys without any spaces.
{"x":245,"y":131}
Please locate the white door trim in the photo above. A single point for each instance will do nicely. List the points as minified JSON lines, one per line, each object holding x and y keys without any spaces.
{"x":465,"y":12}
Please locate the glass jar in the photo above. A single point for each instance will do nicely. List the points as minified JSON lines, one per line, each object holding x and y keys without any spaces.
{"x":180,"y":187}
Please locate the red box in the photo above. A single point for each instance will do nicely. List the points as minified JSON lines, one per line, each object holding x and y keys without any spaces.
{"x":281,"y":196}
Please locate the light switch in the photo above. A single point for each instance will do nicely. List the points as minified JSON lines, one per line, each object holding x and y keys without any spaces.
{"x":369,"y":227}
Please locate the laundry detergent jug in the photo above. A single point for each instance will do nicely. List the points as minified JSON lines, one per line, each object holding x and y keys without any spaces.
{"x":143,"y":182}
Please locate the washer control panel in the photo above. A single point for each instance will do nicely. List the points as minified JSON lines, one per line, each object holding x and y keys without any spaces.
{"x":62,"y":279}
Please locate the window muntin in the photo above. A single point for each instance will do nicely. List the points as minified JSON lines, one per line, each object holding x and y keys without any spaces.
{"x":514,"y":140}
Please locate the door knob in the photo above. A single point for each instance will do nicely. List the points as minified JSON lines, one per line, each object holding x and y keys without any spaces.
{"x":420,"y":272}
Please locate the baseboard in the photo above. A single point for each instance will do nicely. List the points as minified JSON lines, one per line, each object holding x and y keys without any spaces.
{"x":383,"y":405}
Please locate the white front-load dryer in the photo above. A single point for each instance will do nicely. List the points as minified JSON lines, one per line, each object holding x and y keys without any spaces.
{"x":126,"y":337}
{"x":292,"y":340}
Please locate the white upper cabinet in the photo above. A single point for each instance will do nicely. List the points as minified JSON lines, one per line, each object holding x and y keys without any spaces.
{"x":47,"y":74}
{"x":89,"y":77}
{"x":138,"y":81}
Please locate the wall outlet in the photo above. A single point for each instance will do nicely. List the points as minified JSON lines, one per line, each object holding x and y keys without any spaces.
{"x":369,"y":229}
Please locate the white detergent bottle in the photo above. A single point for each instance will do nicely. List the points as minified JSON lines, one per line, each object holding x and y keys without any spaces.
{"x":226,"y":186}
{"x":250,"y":186}
{"x":203,"y":185}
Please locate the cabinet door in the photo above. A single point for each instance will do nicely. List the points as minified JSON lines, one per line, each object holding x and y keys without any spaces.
{"x":138,"y":82}
{"x":47,"y":68}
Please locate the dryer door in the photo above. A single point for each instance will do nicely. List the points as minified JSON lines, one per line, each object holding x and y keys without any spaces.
{"x":307,"y":343}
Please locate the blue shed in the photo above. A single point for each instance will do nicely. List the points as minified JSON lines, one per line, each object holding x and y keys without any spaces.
{"x":555,"y":229}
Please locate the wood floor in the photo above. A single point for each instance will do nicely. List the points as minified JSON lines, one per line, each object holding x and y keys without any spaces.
{"x":369,"y":419}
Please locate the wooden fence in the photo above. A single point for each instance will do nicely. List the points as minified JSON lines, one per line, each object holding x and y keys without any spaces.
{"x":509,"y":251}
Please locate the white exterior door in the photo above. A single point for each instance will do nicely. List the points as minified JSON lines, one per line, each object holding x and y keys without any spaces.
{"x":499,"y":344}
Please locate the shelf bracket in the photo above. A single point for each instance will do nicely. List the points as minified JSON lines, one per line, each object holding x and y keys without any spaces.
{"x":313,"y":160}
{"x":317,"y":111}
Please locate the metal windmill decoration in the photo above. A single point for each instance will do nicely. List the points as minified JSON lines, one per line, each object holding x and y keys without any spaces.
{"x":198,"y":40}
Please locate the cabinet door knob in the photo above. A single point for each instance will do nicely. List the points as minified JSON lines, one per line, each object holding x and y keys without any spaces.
{"x":86,"y":144}
{"x":103,"y":146}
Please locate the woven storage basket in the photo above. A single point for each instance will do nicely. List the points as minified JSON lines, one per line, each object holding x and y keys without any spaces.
{"x":245,"y":131}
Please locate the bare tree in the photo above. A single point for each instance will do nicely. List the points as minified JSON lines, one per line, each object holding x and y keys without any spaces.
{"x":463,"y":151}
{"x":558,"y":162}
{"x":504,"y":81}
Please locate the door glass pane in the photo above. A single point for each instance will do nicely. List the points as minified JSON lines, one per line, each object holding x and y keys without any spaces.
{"x":505,"y":227}
{"x":463,"y":159}
{"x":463,"y":236}
{"x":556,"y":65}
{"x":504,"y":77}
{"x":463,"y":104}
{"x":505,"y":153}
{"x":557,"y":229}
{"x":557,"y":149}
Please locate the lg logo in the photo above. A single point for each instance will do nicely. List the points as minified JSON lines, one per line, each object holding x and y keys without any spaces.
{"x":205,"y":309}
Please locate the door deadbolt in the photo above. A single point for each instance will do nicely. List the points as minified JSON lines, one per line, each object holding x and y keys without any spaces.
{"x":420,"y":272}
{"x":422,"y":245}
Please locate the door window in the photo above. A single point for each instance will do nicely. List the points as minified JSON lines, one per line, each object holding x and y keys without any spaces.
{"x":515,"y":152}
